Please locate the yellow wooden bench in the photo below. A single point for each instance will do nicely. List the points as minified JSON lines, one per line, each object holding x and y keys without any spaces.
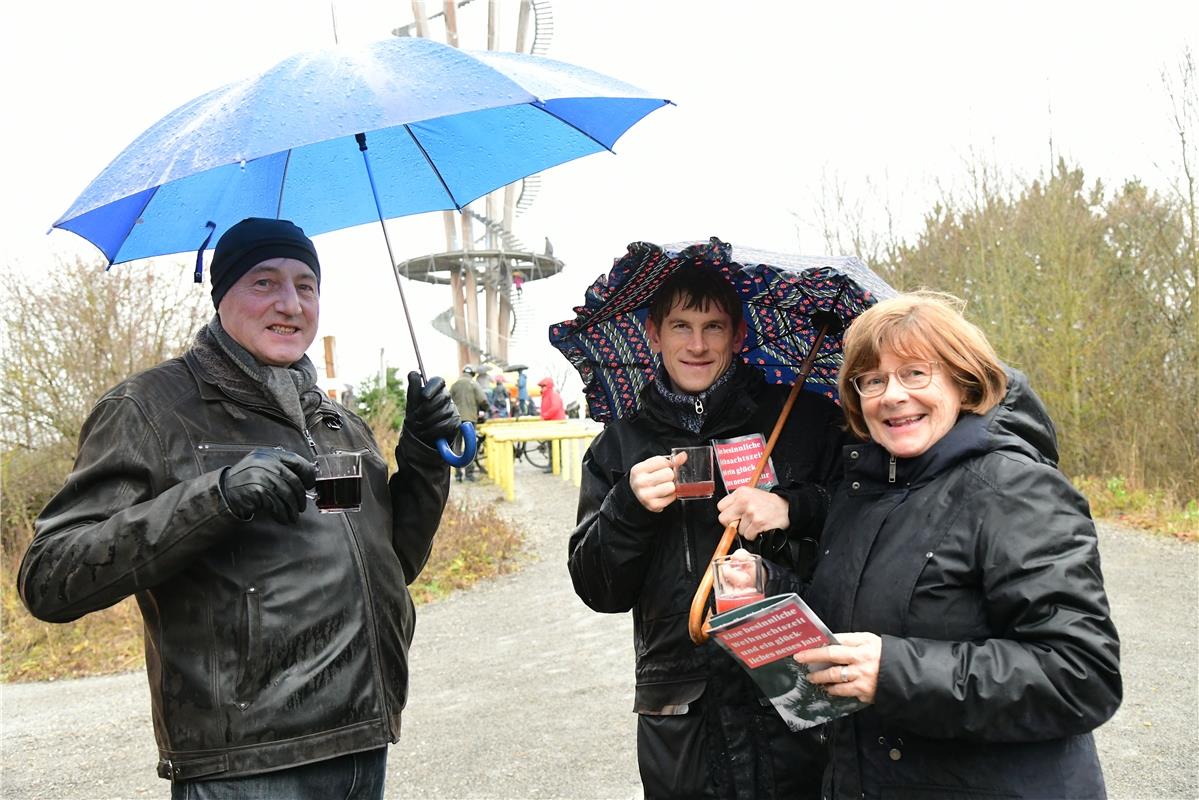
{"x":569,"y":439}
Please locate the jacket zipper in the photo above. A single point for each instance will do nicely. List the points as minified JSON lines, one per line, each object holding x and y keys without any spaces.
{"x":891,"y":471}
{"x":688,"y":543}
{"x":699,"y":407}
{"x":372,"y":615}
{"x":374,"y":628}
{"x":311,"y":443}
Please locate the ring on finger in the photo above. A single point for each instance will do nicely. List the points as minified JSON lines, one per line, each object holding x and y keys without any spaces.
{"x":844,"y":674}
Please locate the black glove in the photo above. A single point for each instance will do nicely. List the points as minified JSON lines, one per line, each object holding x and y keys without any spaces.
{"x":271,"y":481}
{"x":431,"y":414}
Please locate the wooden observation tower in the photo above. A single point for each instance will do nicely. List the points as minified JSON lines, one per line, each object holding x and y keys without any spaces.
{"x":482,"y":257}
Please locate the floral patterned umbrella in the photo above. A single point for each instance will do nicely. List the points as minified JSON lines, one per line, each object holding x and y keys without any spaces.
{"x":786,"y":300}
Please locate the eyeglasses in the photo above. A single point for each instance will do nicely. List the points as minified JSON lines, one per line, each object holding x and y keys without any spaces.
{"x":915,"y":375}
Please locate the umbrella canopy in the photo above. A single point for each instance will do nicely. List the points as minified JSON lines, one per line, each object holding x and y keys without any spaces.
{"x":444,"y":127}
{"x":785,"y":298}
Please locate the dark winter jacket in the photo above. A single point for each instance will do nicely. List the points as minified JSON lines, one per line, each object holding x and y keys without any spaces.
{"x":267,"y":645}
{"x":702,"y":728}
{"x":978,"y":566}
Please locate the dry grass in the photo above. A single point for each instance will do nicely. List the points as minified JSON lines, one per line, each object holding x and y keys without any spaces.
{"x":1154,"y":511}
{"x":472,"y":544}
{"x":98,"y":644}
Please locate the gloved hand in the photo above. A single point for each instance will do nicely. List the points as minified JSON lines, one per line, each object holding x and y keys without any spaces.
{"x":270,"y":480}
{"x":431,"y":414}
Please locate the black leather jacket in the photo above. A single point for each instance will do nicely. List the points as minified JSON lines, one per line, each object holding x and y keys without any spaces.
{"x":624,"y":557}
{"x":978,"y":566}
{"x":267,"y":645}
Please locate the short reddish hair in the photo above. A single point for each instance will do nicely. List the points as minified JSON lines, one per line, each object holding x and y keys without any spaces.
{"x":921,"y":325}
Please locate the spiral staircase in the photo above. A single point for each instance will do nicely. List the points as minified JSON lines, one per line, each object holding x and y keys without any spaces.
{"x":496,"y":262}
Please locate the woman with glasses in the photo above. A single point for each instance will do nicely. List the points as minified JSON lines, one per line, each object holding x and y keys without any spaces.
{"x":965,"y":568}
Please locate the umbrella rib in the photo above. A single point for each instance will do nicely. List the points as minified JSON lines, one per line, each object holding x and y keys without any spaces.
{"x":433,"y":167}
{"x":282,"y":183}
{"x":570,"y":124}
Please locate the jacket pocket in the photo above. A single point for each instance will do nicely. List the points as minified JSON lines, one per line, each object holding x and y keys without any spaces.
{"x":672,"y":747}
{"x":667,"y":698}
{"x":249,"y":674}
{"x":215,"y":455}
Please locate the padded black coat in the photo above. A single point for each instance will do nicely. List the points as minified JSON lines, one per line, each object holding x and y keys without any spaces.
{"x":979,"y":567}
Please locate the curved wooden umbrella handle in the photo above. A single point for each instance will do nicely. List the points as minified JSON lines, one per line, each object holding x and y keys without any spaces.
{"x":697,"y":622}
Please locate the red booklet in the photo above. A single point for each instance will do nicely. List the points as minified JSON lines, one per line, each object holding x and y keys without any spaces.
{"x":737,"y":458}
{"x":762,"y":636}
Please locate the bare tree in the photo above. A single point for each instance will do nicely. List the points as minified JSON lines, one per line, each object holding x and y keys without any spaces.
{"x":68,"y":336}
{"x":1182,"y":90}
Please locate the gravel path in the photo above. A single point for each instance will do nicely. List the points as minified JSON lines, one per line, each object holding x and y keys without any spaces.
{"x":538,"y":704}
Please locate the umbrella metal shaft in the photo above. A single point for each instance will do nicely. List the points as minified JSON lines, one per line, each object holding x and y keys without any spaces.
{"x":370,"y":175}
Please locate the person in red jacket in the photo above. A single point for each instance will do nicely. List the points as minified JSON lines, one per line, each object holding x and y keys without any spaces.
{"x":551,"y":401}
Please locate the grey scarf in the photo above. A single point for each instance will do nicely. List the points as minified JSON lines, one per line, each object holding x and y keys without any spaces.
{"x":684,"y":404}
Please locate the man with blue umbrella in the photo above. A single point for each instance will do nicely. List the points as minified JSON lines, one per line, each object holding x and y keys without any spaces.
{"x":276,"y":635}
{"x":702,"y":730}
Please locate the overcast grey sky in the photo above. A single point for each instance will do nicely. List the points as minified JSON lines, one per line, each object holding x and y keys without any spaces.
{"x":776,"y":101}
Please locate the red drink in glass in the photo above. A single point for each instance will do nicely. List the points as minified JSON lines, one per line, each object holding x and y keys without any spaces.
{"x":685,"y":491}
{"x":729,"y":602}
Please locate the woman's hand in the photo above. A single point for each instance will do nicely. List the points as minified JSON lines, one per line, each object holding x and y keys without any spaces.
{"x":855,"y":665}
{"x":758,"y":510}
{"x":652,"y":481}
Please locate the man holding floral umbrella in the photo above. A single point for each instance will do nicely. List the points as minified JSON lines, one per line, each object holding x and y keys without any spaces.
{"x":703,"y":730}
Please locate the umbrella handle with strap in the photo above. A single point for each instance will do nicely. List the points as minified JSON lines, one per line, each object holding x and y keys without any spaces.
{"x":697,"y":619}
{"x":467,"y":429}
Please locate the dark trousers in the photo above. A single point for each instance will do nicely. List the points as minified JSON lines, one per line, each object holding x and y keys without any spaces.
{"x":358,"y":776}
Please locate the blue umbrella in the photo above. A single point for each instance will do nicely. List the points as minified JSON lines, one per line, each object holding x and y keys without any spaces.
{"x":343,"y":136}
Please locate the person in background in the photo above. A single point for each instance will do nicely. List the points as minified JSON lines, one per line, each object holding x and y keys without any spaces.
{"x":703,"y":727}
{"x":471,"y":402}
{"x":485,"y":381}
{"x":524,"y":406}
{"x":276,"y":636}
{"x":499,"y":398}
{"x":551,"y":401}
{"x":966,"y":569}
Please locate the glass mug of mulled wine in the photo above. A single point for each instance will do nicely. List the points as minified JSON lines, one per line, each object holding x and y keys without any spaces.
{"x":693,"y":478}
{"x":338,"y":483}
{"x":737,"y":580}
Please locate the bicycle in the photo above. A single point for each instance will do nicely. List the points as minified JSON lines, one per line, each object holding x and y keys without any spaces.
{"x":537,"y":453}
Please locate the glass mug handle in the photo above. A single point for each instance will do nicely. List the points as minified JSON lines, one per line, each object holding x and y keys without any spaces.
{"x":312,"y":493}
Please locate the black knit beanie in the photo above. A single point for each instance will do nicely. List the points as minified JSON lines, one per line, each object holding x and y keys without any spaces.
{"x":252,"y":241}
